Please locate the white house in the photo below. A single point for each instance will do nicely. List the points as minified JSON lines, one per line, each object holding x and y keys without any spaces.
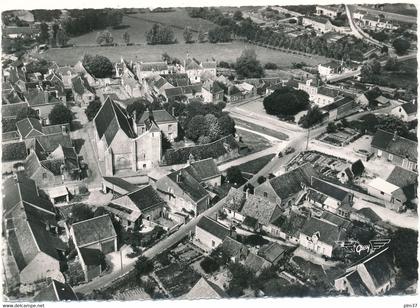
{"x":406,"y":112}
{"x":388,"y":192}
{"x":209,"y":233}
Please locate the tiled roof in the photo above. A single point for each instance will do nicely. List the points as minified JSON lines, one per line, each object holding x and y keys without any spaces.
{"x":272,"y":252}
{"x":328,"y":189}
{"x":153,"y":66}
{"x":188,"y":184}
{"x":213,"y":227}
{"x":235,"y":199}
{"x":110,"y":119}
{"x":91,"y":256}
{"x":328,"y":92}
{"x":177,"y":80}
{"x":192,"y":64}
{"x":379,"y":268}
{"x":144,"y":198}
{"x":36,"y":97}
{"x":11,"y":110}
{"x":93,"y":230}
{"x":410,"y":108}
{"x":232,"y":247}
{"x":205,"y":289}
{"x":80,"y":85}
{"x":50,"y":142}
{"x":119,"y":182}
{"x":256,"y":263}
{"x":9,"y":136}
{"x":328,"y":233}
{"x":28,"y":125}
{"x":398,"y":146}
{"x":402,"y":177}
{"x":357,"y":284}
{"x":291,"y":225}
{"x":260,"y":209}
{"x":290,"y":183}
{"x":159,"y":116}
{"x":56,"y":291}
{"x":203,"y":169}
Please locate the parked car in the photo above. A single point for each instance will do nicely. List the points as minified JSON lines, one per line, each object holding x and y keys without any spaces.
{"x":289,"y":150}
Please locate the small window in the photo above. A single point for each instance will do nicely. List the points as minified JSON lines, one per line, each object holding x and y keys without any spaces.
{"x":144,"y":166}
{"x":265,"y":194}
{"x":382,"y":193}
{"x":213,"y":243}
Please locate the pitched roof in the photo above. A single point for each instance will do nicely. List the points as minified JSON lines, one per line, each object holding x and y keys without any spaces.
{"x":272,"y":252}
{"x":119,"y":182}
{"x":9,"y":136}
{"x":327,"y":232}
{"x":328,"y":92}
{"x":410,"y":108}
{"x":159,"y":116}
{"x":205,"y":289}
{"x":290,"y":183}
{"x":192,"y":64}
{"x":80,"y":85}
{"x":336,"y":220}
{"x":13,"y":151}
{"x":232,"y":247}
{"x":91,"y":256}
{"x":36,"y":97}
{"x":379,"y":268}
{"x":144,"y":198}
{"x":93,"y":230}
{"x":395,"y":145}
{"x":405,"y":179}
{"x":213,"y":227}
{"x":235,"y":199}
{"x":370,"y":214}
{"x":153,"y":66}
{"x":292,"y":224}
{"x":357,"y":168}
{"x":12,"y":110}
{"x":50,"y":142}
{"x":357,"y":284}
{"x":328,"y":189}
{"x":382,"y":185}
{"x":110,"y":119}
{"x":203,"y":169}
{"x":56,"y":291}
{"x":27,"y":126}
{"x":255,"y":262}
{"x":188,"y":184}
{"x":260,"y":209}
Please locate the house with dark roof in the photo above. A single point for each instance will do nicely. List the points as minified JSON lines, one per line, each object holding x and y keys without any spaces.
{"x":30,"y":226}
{"x":406,"y":112}
{"x":42,"y":102}
{"x":256,"y":263}
{"x":351,"y":172}
{"x":12,"y":153}
{"x":205,"y":289}
{"x":372,"y":275}
{"x":117,"y":186}
{"x":212,"y":91}
{"x":406,"y":180}
{"x":205,"y":171}
{"x":118,"y":144}
{"x":183,"y":193}
{"x":259,"y":212}
{"x":341,"y":107}
{"x":288,"y":188}
{"x":288,"y":227}
{"x":395,"y":149}
{"x":320,"y":236}
{"x":10,"y":111}
{"x":139,"y":206}
{"x":235,"y":250}
{"x":130,"y":83}
{"x":145,"y":70}
{"x":54,"y":84}
{"x":55,"y":292}
{"x":83,"y":94}
{"x":183,"y":92}
{"x":67,"y":73}
{"x":29,"y":128}
{"x":318,"y":23}
{"x":166,"y":122}
{"x":329,"y":197}
{"x":272,"y":252}
{"x":93,"y":238}
{"x":210,"y":233}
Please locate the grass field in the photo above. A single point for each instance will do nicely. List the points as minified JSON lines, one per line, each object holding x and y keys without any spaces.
{"x":221,"y":52}
{"x":263,"y":130}
{"x":138,"y":24}
{"x":255,"y":142}
{"x":253,"y":166}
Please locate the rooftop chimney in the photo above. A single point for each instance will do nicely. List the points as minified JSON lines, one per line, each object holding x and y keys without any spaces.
{"x":179,"y":177}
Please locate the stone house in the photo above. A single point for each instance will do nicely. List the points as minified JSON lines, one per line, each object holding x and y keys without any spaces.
{"x":209,"y":233}
{"x":167,"y":123}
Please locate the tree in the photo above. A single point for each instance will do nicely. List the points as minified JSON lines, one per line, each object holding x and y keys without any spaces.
{"x":188,"y":35}
{"x":261,"y":179}
{"x":80,"y":212}
{"x":166,"y":57}
{"x":143,"y":266}
{"x":270,"y":66}
{"x":209,"y":265}
{"x":286,"y":102}
{"x":166,"y":144}
{"x":234,"y":175}
{"x":60,"y":114}
{"x":98,"y":66}
{"x":331,"y":127}
{"x":237,"y":15}
{"x":403,"y":248}
{"x":201,"y":35}
{"x":26,"y":112}
{"x":247,"y":65}
{"x":401,"y":45}
{"x":159,"y":34}
{"x":126,"y":38}
{"x":226,"y":125}
{"x":44,"y":34}
{"x":92,"y":109}
{"x":314,"y":116}
{"x":104,"y":38}
{"x":376,"y":67}
{"x":139,"y":107}
{"x":391,"y":64}
{"x":214,"y":131}
{"x":197,"y":127}
{"x":62,"y":38}
{"x":219,"y":35}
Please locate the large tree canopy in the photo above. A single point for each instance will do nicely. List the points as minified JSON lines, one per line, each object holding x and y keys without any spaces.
{"x":60,"y":114}
{"x":98,"y":66}
{"x":248,"y":66}
{"x":286,"y":101}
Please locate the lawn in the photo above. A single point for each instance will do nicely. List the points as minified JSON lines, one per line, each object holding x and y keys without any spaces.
{"x":255,"y":142}
{"x":254,"y":166}
{"x":260,"y":129}
{"x":146,"y":53}
{"x":138,"y":24}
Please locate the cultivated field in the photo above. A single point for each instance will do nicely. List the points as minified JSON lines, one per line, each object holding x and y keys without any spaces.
{"x":226,"y":52}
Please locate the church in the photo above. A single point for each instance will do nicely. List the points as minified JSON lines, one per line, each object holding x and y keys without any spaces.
{"x":119,"y":144}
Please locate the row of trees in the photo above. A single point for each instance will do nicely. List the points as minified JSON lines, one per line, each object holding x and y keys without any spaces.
{"x":87,"y":20}
{"x":309,"y":43}
{"x":55,"y":36}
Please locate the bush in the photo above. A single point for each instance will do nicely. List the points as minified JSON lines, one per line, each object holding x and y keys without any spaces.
{"x":143,"y":266}
{"x":255,"y":240}
{"x":401,"y":45}
{"x":209,"y":265}
{"x":270,"y":66}
{"x":286,"y":101}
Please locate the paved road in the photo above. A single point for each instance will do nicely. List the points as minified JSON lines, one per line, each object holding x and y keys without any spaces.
{"x":174,"y":238}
